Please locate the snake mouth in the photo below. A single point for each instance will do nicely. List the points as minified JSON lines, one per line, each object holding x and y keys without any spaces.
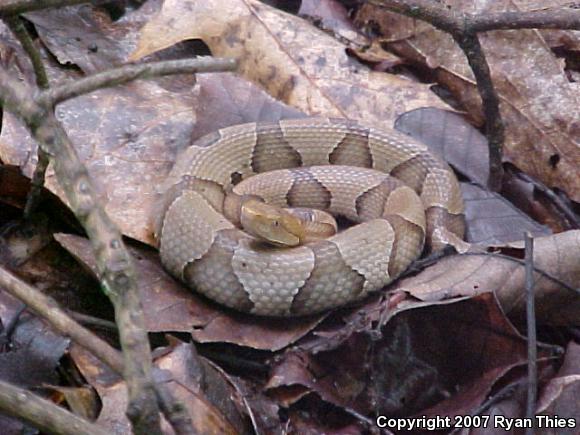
{"x":270,"y":224}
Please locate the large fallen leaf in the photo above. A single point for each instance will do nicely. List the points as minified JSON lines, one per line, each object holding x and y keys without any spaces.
{"x":420,"y":357}
{"x":539,"y":104}
{"x":127,"y":136}
{"x":87,"y":36}
{"x":227,"y":99}
{"x":559,"y":398}
{"x":206,"y":396}
{"x":556,"y":38}
{"x":451,"y":137}
{"x":469,"y":275}
{"x":492,"y":220}
{"x":295,"y":62}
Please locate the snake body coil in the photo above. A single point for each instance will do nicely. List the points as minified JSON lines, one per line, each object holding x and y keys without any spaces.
{"x":201,"y":244}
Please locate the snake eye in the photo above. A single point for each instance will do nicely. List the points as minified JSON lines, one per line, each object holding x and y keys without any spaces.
{"x":276,"y":223}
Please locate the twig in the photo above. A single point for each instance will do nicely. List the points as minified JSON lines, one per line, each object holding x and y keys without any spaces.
{"x":567,"y":18}
{"x":43,"y":414}
{"x":37,"y":183}
{"x":464,"y":28}
{"x":85,"y":319}
{"x":127,"y":73}
{"x":531,"y":332}
{"x":17,"y":27}
{"x":456,"y":24}
{"x":49,"y":310}
{"x":115,"y":267}
{"x":450,"y":20}
{"x":523,"y":263}
{"x":551,"y":195}
{"x":494,"y":128}
{"x":15,"y":7}
{"x":114,"y":263}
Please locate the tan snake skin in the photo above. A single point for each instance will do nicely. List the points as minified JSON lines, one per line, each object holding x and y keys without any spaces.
{"x":321,"y":165}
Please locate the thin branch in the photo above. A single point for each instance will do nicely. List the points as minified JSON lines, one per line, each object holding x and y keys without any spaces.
{"x":451,"y":20}
{"x":15,"y":7}
{"x":444,"y":19}
{"x":494,"y":127}
{"x":127,"y":73}
{"x":43,"y":414}
{"x":97,"y":322}
{"x":531,"y":332}
{"x":464,"y":28}
{"x":114,"y":263}
{"x":551,"y":195}
{"x":49,"y":310}
{"x":37,"y":183}
{"x":456,"y":24}
{"x":567,"y":18}
{"x":17,"y":27}
{"x":19,"y":30}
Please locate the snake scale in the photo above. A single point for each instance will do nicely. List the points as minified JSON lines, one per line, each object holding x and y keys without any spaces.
{"x":400,"y":196}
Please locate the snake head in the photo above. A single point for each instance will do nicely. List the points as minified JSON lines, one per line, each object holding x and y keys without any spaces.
{"x":271,"y":224}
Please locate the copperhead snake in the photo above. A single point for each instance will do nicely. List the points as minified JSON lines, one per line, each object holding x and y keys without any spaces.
{"x":368,"y":175}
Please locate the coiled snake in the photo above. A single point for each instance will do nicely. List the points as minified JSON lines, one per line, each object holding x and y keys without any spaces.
{"x":368,"y":175}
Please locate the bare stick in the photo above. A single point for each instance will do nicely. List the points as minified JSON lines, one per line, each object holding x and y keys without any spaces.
{"x":14,"y":7}
{"x":127,"y":73}
{"x":115,"y":267}
{"x":450,"y":20}
{"x":494,"y":129}
{"x":455,"y":24}
{"x":464,"y":28}
{"x":550,"y":194}
{"x":566,"y":18}
{"x":531,"y":333}
{"x":43,"y":414}
{"x":96,"y":322}
{"x":19,"y":30}
{"x":49,"y":310}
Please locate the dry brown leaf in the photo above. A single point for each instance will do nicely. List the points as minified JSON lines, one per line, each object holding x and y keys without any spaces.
{"x":540,"y":106}
{"x":492,"y":220}
{"x":420,"y":355}
{"x":127,"y":136}
{"x":556,"y":38}
{"x":83,"y":401}
{"x":86,"y":36}
{"x":227,"y":99}
{"x":97,"y":43}
{"x":295,"y":62}
{"x":331,"y":15}
{"x":452,"y":138}
{"x":560,"y":396}
{"x":469,"y":275}
{"x":208,"y":413}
